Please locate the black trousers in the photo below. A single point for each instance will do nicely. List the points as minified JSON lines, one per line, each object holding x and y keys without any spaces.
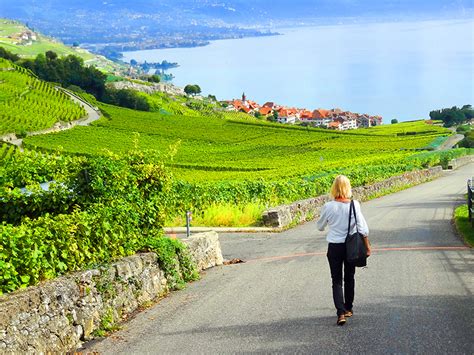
{"x":337,"y":258}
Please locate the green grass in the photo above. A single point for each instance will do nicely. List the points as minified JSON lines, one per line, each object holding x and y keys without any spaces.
{"x":224,"y":215}
{"x":463,"y":225}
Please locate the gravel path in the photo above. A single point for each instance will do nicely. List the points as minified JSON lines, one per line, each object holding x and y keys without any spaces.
{"x":416,"y":296}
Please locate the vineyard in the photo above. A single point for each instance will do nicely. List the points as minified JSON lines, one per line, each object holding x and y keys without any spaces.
{"x":216,"y":149}
{"x":7,"y":151}
{"x":114,"y":184}
{"x":28,"y":104}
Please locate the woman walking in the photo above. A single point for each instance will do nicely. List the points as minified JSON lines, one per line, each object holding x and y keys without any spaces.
{"x":336,"y":215}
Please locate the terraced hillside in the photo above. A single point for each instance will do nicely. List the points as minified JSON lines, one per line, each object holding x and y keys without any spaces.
{"x":28,"y":104}
{"x":217,"y":149}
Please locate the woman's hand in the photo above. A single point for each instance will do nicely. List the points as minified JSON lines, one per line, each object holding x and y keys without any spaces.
{"x":367,"y":246}
{"x":369,"y":251}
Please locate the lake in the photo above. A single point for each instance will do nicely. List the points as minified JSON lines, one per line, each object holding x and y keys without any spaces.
{"x":397,"y":70}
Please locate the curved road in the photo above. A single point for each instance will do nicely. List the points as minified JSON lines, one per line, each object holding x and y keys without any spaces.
{"x":91,"y":115}
{"x":416,"y":296}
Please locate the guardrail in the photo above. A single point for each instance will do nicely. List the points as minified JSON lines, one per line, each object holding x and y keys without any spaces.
{"x":470,"y":200}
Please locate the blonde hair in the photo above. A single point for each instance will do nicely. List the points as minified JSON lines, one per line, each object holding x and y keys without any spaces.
{"x":341,"y":187}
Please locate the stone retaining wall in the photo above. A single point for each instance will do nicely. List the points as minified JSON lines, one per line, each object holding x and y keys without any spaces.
{"x":303,"y":210}
{"x":457,"y":163}
{"x":58,"y":315}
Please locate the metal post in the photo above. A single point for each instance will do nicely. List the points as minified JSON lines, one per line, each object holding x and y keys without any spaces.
{"x":188,"y":223}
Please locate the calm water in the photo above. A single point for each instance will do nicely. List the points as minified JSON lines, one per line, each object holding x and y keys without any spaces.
{"x":397,"y":70}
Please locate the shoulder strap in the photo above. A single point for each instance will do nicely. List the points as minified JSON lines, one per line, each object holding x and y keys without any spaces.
{"x":355,"y":215}
{"x":352,"y":208}
{"x":350,"y":214}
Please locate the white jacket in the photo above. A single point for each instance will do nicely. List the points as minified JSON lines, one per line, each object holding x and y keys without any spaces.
{"x":336,"y":215}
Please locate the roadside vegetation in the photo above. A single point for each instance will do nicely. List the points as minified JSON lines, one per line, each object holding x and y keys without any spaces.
{"x":96,"y":209}
{"x":463,"y":225}
{"x":468,"y":132}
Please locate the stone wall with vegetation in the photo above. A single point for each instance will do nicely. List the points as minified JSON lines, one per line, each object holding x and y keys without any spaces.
{"x":60,"y":314}
{"x":456,"y":163}
{"x":304,"y":210}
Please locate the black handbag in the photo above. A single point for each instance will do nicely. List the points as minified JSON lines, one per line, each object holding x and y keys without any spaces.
{"x":356,"y":251}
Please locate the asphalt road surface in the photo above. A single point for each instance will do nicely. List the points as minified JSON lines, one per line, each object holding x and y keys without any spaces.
{"x":416,"y":296}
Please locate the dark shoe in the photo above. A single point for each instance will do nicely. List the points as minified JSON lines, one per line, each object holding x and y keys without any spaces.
{"x":341,"y":320}
{"x":348,"y":314}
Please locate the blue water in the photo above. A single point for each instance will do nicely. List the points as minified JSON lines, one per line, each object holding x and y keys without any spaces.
{"x":397,"y":70}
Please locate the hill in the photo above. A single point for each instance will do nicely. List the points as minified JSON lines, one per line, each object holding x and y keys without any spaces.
{"x":29,"y":104}
{"x":214,"y":148}
{"x":19,"y":39}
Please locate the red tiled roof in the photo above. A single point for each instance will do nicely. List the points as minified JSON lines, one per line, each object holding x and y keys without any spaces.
{"x":283,"y":113}
{"x":265,"y":110}
{"x":320,"y":113}
{"x":306,"y":114}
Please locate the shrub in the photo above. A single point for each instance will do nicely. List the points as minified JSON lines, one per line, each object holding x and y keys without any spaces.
{"x":116,"y":207}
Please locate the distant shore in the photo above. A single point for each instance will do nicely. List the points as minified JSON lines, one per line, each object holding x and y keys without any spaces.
{"x":122,"y":48}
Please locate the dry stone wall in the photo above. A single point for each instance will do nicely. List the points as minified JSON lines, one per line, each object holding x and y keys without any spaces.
{"x":58,"y":315}
{"x":303,"y":210}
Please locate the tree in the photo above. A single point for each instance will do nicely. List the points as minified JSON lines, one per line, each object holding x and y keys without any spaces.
{"x":50,"y":55}
{"x":133,"y":62}
{"x":8,"y":55}
{"x":394,"y":121}
{"x":192,"y":89}
{"x":453,"y":116}
{"x":154,"y":78}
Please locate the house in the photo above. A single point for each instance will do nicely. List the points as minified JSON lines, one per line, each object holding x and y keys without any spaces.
{"x":349,"y":123}
{"x":306,"y":116}
{"x":363,"y":121}
{"x":245,"y":109}
{"x":265,"y":111}
{"x":320,"y":113}
{"x":284,"y":116}
{"x":335,"y":125}
{"x":376,"y":120}
{"x":253,"y":105}
{"x":321,"y":121}
{"x":269,"y":105}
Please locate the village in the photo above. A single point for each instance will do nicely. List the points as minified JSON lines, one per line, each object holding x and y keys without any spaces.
{"x":336,"y":118}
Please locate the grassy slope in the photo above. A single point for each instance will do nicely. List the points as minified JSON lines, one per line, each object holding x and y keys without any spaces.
{"x":44,"y":43}
{"x":228,"y":149}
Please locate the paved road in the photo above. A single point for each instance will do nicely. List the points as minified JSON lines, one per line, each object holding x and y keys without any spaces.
{"x":451,"y":142}
{"x":416,"y":296}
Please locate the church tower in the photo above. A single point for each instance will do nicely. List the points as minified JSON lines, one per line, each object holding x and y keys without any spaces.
{"x":244,"y":98}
